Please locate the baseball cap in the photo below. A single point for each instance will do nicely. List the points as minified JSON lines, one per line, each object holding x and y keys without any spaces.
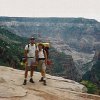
{"x":32,"y":38}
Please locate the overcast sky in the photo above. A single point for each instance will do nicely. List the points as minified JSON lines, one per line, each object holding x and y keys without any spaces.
{"x":51,"y":8}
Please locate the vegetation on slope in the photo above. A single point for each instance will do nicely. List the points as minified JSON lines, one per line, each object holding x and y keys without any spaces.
{"x":11,"y":48}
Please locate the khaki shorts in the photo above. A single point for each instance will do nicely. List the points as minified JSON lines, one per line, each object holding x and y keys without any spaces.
{"x":30,"y":63}
{"x":41,"y":65}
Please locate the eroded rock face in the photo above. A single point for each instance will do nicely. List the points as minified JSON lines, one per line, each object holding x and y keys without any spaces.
{"x":57,"y":88}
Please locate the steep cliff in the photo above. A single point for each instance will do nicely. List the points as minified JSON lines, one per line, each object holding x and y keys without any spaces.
{"x":12,"y":50}
{"x":78,"y":34}
{"x":63,"y":65}
{"x":94,"y":74}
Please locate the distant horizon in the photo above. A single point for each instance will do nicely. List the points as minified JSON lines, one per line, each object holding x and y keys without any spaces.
{"x":89,"y":9}
{"x":48,"y":17}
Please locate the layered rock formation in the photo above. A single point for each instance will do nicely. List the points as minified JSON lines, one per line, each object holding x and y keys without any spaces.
{"x":63,"y":65}
{"x":76,"y":37}
{"x":94,"y":74}
{"x":57,"y":88}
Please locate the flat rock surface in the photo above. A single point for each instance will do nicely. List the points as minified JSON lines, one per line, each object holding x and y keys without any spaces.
{"x":57,"y":88}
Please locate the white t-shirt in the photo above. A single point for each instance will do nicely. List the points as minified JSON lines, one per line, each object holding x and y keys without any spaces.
{"x":41,"y":54}
{"x":31,"y":49}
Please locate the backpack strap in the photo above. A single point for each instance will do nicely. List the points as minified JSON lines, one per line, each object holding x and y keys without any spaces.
{"x":35,"y":46}
{"x":44,"y":51}
{"x":28,"y":46}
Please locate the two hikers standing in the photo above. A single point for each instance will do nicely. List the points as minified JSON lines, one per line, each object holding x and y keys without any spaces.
{"x":35,"y":55}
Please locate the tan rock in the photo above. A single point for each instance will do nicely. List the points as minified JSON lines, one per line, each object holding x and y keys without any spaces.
{"x":57,"y":88}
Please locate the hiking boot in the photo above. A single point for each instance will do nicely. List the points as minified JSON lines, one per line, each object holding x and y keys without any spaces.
{"x":44,"y":82}
{"x":25,"y":82}
{"x":31,"y":80}
{"x":41,"y":80}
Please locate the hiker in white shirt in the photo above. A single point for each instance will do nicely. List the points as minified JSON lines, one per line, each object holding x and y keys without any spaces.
{"x":30,"y":56}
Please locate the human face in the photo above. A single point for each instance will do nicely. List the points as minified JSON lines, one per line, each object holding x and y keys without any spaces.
{"x":32,"y":41}
{"x":40,"y":47}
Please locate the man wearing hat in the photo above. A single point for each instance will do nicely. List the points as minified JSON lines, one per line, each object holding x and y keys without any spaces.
{"x":30,"y":52}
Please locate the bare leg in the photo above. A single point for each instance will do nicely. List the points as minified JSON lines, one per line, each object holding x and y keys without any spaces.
{"x":31,"y":74}
{"x":26,"y":73}
{"x":43,"y":73}
{"x":32,"y":71}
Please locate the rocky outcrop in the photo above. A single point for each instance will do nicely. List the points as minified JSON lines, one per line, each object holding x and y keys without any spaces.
{"x":94,"y":74}
{"x":57,"y":88}
{"x":63,"y":65}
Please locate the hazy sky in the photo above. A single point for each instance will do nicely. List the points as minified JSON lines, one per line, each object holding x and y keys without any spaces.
{"x":51,"y":8}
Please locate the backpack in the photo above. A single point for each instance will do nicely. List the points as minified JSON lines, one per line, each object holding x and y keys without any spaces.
{"x":49,"y":62}
{"x":46,"y":47}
